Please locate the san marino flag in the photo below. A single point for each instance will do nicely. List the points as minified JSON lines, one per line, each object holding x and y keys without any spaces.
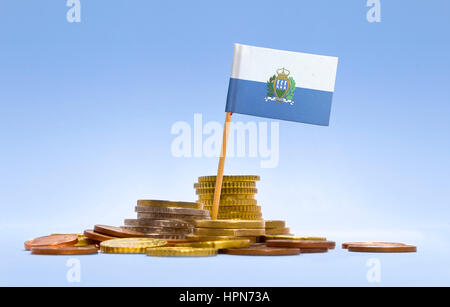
{"x":282,"y":84}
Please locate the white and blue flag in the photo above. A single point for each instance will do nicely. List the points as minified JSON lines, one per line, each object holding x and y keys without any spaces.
{"x":281,"y":84}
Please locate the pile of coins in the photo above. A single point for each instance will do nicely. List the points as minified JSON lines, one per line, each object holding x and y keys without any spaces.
{"x":217,"y":230}
{"x":165,"y":219}
{"x":237,"y":200}
{"x":185,"y":229}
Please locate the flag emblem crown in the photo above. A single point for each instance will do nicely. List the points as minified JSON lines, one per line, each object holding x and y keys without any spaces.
{"x":281,"y":86}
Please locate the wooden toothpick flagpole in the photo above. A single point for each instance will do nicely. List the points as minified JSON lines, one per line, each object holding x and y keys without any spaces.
{"x":219,"y":177}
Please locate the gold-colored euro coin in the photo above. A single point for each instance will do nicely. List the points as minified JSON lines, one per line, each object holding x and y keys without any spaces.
{"x":275,"y":224}
{"x":165,"y":236}
{"x":229,"y":232}
{"x":130,"y":245}
{"x":229,"y":184}
{"x":228,"y":197}
{"x":228,"y":191}
{"x":167,"y":203}
{"x":248,"y":218}
{"x":229,"y":178}
{"x":230,"y":202}
{"x":181,"y":252}
{"x":278,"y":231}
{"x":198,"y":238}
{"x":217,"y":244}
{"x":240,"y":216}
{"x":230,"y":209}
{"x":229,"y":224}
{"x":290,"y":237}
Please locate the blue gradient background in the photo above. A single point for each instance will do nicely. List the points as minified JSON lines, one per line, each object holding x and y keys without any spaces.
{"x":86,"y":111}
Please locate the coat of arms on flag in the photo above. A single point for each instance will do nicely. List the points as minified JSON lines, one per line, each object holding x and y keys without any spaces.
{"x":281,"y":87}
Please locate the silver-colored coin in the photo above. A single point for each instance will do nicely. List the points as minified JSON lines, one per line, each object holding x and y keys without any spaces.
{"x":161,"y":230}
{"x":157,"y":223}
{"x":184,"y":211}
{"x":167,"y":216}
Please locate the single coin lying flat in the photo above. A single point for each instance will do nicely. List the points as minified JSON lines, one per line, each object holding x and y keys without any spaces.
{"x":379,"y":247}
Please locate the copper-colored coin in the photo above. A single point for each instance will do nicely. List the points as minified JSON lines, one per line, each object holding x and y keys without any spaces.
{"x":382,"y":248}
{"x":347,"y":244}
{"x":52,"y":240}
{"x":97,"y":236}
{"x":262,"y":250}
{"x":116,"y":231}
{"x":64,"y":250}
{"x":301,"y":244}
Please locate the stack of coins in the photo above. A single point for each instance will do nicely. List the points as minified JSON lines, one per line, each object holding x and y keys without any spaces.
{"x":237,"y":198}
{"x":218,"y":230}
{"x":165,"y":219}
{"x":277,"y":227}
